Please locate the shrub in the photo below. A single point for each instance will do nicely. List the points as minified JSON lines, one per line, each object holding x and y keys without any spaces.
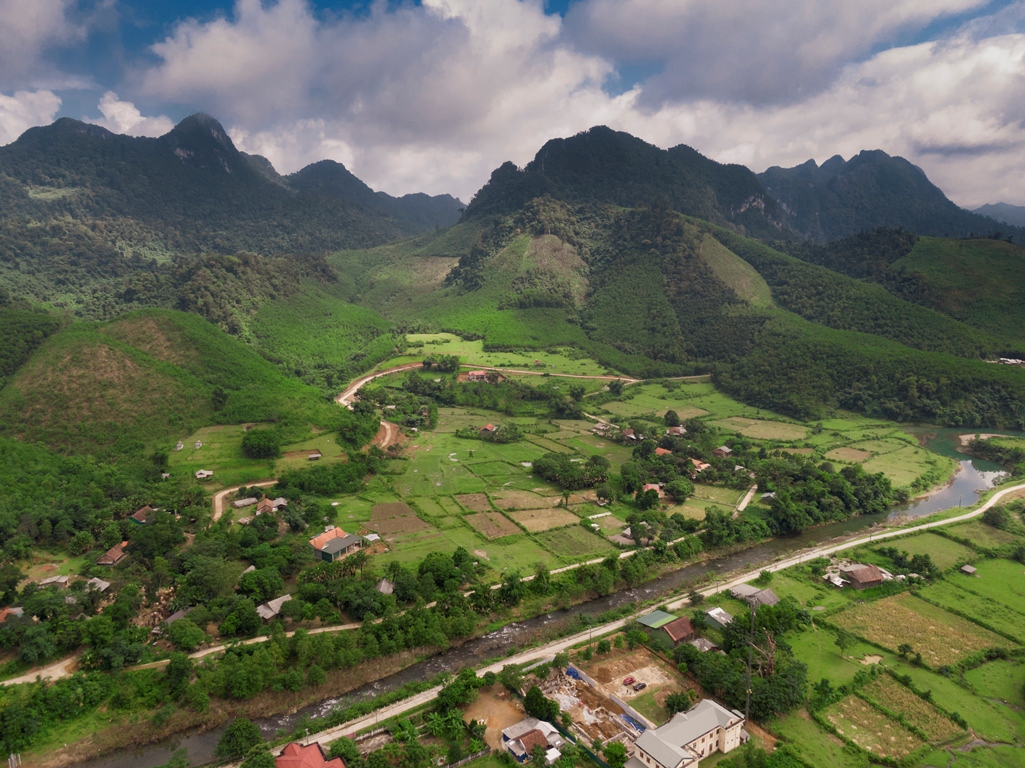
{"x":238,"y":739}
{"x":261,"y":444}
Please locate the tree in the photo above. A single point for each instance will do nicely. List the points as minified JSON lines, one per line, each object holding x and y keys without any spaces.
{"x":185,"y":635}
{"x":261,"y":444}
{"x":538,"y":705}
{"x":179,"y":674}
{"x":844,"y":640}
{"x":615,"y":754}
{"x":315,"y":676}
{"x":672,"y":419}
{"x":905,"y":650}
{"x":238,"y":739}
{"x":259,"y":757}
{"x":604,"y":646}
{"x":678,"y":702}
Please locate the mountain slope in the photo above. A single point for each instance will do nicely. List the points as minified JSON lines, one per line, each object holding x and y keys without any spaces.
{"x":332,"y":180}
{"x":872,"y":189}
{"x":149,"y":377}
{"x":1004,"y":212}
{"x":610,"y":167}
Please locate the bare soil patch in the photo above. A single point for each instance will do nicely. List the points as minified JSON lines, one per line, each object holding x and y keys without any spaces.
{"x":496,"y":708}
{"x":848,"y":454}
{"x":544,"y":519}
{"x":395,"y":518}
{"x":520,"y":500}
{"x":475,"y":502}
{"x":492,"y":524}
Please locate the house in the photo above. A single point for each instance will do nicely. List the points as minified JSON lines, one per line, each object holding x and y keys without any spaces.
{"x":717,"y":618}
{"x":601,"y":428}
{"x":699,"y":465}
{"x":248,"y":502}
{"x":629,"y":434}
{"x":768,"y":496}
{"x":295,"y":755}
{"x":703,"y":645}
{"x":171,"y":620}
{"x":314,"y":456}
{"x":861,"y":576}
{"x":968,"y":569}
{"x":141,"y":515}
{"x":679,"y":631}
{"x":9,"y":611}
{"x":334,"y":544}
{"x":114,"y":555}
{"x":652,"y":623}
{"x":654,"y":487}
{"x":57,"y":581}
{"x":477,"y":376}
{"x":266,"y":506}
{"x":99,"y":585}
{"x":663,"y":452}
{"x":722,"y":452}
{"x":272,"y":608}
{"x":279,"y":502}
{"x":753,"y":595}
{"x":690,"y":736}
{"x":487,"y":430}
{"x":204,"y":474}
{"x":521,"y":739}
{"x":385,"y":587}
{"x":676,"y":431}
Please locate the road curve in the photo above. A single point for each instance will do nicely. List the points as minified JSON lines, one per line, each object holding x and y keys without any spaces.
{"x":220,"y":495}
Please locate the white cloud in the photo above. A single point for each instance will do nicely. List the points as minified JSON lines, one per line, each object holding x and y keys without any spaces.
{"x":124,"y":117}
{"x":434,"y":97}
{"x":24,"y":110}
{"x":28,"y":28}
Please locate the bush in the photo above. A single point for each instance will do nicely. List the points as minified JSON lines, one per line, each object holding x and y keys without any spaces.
{"x":261,"y":444}
{"x":238,"y":739}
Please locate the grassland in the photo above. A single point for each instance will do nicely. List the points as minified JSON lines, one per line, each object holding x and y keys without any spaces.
{"x":983,"y":610}
{"x":944,"y":552}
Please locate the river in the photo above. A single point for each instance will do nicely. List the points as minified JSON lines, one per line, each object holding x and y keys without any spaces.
{"x":973,"y":477}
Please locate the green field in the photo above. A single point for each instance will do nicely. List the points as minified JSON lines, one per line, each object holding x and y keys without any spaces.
{"x":944,"y":552}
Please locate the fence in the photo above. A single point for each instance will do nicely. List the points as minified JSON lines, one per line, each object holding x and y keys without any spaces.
{"x":470,"y":758}
{"x":369,"y":734}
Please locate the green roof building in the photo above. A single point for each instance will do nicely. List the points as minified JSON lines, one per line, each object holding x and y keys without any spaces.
{"x":656,"y":619}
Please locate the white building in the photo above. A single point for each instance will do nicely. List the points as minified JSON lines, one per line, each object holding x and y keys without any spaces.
{"x":690,"y":736}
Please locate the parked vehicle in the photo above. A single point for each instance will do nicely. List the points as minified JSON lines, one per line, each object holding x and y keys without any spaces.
{"x":628,"y":681}
{"x":640,"y":686}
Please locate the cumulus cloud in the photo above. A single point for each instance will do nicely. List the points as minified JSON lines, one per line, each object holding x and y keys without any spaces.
{"x":27,"y":31}
{"x":433,"y":97}
{"x":124,"y":117}
{"x":24,"y":110}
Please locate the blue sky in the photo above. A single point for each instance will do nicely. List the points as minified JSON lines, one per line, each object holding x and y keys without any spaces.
{"x":431,"y":96}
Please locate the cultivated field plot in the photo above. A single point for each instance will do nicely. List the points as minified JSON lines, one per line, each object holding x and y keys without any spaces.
{"x":763,"y":430}
{"x":984,"y":535}
{"x":393,"y":518}
{"x":727,"y":497}
{"x":870,"y":729}
{"x":492,"y":524}
{"x":641,"y":405}
{"x":548,"y":446}
{"x":888,"y":693}
{"x":954,"y":594}
{"x":431,"y":507}
{"x":520,"y":500}
{"x":574,"y":543}
{"x":475,"y":502}
{"x":944,"y":552}
{"x":940,"y":636}
{"x":903,"y":466}
{"x":853,"y":455}
{"x":535,"y":520}
{"x":797,"y":451}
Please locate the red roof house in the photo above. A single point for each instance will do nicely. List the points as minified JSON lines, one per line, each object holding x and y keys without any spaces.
{"x":679,"y":630}
{"x":295,"y":755}
{"x":663,"y":452}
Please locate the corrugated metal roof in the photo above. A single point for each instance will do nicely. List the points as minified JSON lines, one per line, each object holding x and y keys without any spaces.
{"x":656,"y":619}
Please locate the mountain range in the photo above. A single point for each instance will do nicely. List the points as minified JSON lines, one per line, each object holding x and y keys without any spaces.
{"x":1008,"y":214}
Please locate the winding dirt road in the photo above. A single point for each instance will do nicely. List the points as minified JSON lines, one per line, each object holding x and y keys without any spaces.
{"x":220,"y":495}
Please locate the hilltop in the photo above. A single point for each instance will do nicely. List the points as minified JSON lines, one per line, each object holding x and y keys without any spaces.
{"x":844,"y":197}
{"x":153,"y":375}
{"x":1005,"y":212}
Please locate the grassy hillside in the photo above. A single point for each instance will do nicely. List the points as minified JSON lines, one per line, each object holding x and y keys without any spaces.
{"x":980,"y":282}
{"x":21,"y":331}
{"x":148,"y":379}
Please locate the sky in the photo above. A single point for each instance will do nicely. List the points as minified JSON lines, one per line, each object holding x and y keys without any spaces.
{"x":432,"y":96}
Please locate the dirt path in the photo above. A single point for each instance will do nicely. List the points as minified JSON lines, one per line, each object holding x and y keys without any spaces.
{"x":350,"y":392}
{"x":220,"y":496}
{"x":57,"y":670}
{"x":746,"y":500}
{"x":388,"y":434}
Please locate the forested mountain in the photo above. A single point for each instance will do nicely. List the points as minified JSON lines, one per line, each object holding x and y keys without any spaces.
{"x":1004,"y":212}
{"x":872,"y":189}
{"x":333,"y":181}
{"x":605,"y":166}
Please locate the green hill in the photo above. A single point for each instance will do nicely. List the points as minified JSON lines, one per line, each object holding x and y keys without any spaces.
{"x":148,"y":378}
{"x":872,"y":189}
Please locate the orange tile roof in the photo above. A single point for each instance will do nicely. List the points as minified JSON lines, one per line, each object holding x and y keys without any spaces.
{"x":680,"y":629}
{"x":318,"y":542}
{"x":662,"y":452}
{"x":295,"y":755}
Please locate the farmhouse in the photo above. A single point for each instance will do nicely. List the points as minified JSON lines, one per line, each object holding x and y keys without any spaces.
{"x":717,"y":618}
{"x":114,"y":555}
{"x":295,"y":755}
{"x":629,"y":434}
{"x":722,"y":452}
{"x":754,"y":595}
{"x":9,"y":611}
{"x":700,"y":466}
{"x":334,"y":544}
{"x":703,"y":645}
{"x":477,"y":376}
{"x":99,"y":585}
{"x":522,"y":738}
{"x":141,"y":515}
{"x":679,"y":631}
{"x":240,"y":503}
{"x":57,"y":581}
{"x":266,"y":506}
{"x":663,"y":452}
{"x":385,"y":587}
{"x":487,"y":430}
{"x":272,"y":608}
{"x":676,"y":431}
{"x":861,"y":576}
{"x":690,"y":736}
{"x":656,"y":487}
